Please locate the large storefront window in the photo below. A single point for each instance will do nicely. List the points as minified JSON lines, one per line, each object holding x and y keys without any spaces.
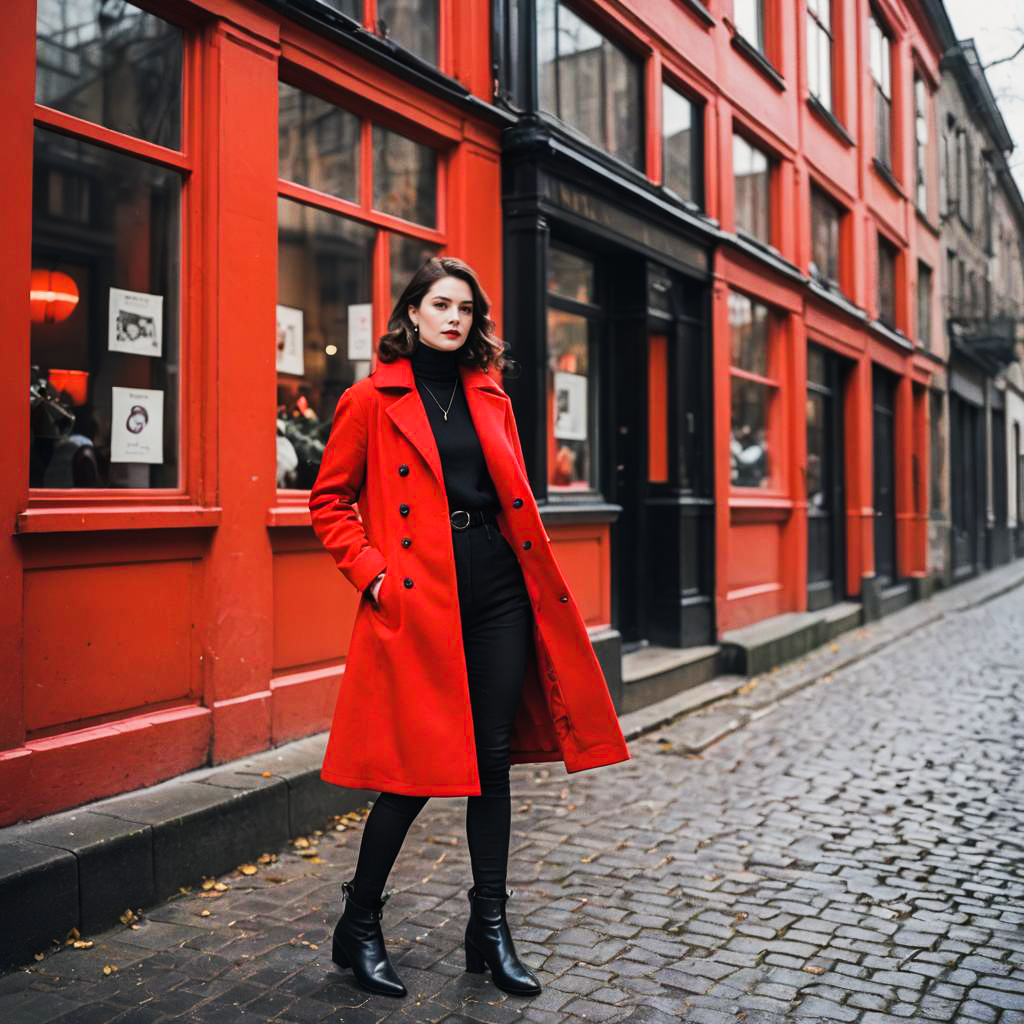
{"x":755,"y":388}
{"x":589,"y":82}
{"x":570,"y":383}
{"x":327,"y":252}
{"x":106,"y":252}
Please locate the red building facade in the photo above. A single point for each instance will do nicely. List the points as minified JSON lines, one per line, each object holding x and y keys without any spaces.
{"x":707,"y":230}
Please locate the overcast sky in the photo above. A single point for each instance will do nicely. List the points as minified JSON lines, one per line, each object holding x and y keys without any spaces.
{"x":997,"y":27}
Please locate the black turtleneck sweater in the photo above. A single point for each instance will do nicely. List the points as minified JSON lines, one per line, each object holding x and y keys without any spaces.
{"x":467,"y":480}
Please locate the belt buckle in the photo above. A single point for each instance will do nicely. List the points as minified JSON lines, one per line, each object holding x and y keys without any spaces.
{"x":460,"y":512}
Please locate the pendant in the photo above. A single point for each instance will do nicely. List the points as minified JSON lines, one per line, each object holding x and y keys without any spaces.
{"x":446,"y":417}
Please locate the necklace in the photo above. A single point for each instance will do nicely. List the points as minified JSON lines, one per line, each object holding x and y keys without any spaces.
{"x":450,"y":400}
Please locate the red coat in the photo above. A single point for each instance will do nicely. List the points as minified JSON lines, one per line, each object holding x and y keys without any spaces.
{"x":403,"y":720}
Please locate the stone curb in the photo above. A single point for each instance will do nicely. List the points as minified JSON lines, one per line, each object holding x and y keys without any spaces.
{"x":83,"y":868}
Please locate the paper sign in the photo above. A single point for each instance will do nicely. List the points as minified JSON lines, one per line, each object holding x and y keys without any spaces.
{"x":570,"y":406}
{"x":135,"y":323}
{"x":360,"y":330}
{"x":290,"y":355}
{"x":136,"y":425}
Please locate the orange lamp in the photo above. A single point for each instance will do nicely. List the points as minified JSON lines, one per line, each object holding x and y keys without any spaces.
{"x":54,"y":296}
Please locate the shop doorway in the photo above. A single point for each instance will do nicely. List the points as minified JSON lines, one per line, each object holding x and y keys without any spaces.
{"x":967,"y":459}
{"x":658,"y":457}
{"x":825,"y":478}
{"x":884,"y":393}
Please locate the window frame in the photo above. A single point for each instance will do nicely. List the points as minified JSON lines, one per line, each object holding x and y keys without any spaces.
{"x":922,"y":127}
{"x":753,"y":143}
{"x":773,"y":381}
{"x":882,"y":90}
{"x":760,"y":38}
{"x":363,"y":210}
{"x":886,"y":244}
{"x":161,"y":501}
{"x":698,"y":111}
{"x":842,"y":213}
{"x":925,"y":329}
{"x":813,"y":24}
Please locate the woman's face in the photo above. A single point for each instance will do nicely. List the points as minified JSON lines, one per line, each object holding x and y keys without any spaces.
{"x":445,"y":315}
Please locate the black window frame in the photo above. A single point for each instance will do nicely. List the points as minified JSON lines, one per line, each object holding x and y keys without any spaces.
{"x":925,"y":274}
{"x":887,"y":317}
{"x":697,"y":109}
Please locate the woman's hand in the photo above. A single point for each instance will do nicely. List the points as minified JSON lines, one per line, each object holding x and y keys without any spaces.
{"x":375,"y":587}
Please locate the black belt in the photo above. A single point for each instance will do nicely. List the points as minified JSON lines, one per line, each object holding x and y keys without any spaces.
{"x":462,"y":520}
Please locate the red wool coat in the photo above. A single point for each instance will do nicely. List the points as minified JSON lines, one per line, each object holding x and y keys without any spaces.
{"x":403,"y":720}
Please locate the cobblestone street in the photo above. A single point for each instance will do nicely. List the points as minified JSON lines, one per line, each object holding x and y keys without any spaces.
{"x":856,"y":853}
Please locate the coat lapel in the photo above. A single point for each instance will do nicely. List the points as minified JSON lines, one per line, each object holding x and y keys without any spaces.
{"x":486,"y":401}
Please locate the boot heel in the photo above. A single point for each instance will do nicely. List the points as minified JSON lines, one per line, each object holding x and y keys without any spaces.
{"x":475,"y":963}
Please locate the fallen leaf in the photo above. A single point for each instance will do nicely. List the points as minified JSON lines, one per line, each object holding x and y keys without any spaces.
{"x":248,"y":869}
{"x":109,"y":968}
{"x":589,"y":857}
{"x":266,"y":775}
{"x":129,"y":915}
{"x":221,"y":886}
{"x":301,"y":843}
{"x":267,"y":858}
{"x":208,"y":883}
{"x":204,"y":913}
{"x":813,"y":969}
{"x":39,"y":956}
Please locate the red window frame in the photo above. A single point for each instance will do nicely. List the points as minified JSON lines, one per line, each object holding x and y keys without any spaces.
{"x":118,"y":507}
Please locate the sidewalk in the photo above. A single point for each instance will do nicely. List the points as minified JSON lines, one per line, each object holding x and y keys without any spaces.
{"x":85,"y":869}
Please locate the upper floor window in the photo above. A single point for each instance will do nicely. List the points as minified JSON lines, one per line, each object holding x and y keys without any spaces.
{"x":887,"y":259}
{"x":682,"y":149}
{"x":965,"y":176}
{"x":880,"y":61}
{"x":412,"y":24}
{"x":331,"y":257}
{"x":589,"y":82}
{"x":826,"y":215}
{"x":751,"y":168}
{"x":820,"y":52}
{"x":105,"y":300}
{"x":754,"y":392}
{"x":921,"y":142}
{"x":748,"y":17}
{"x":924,"y":304}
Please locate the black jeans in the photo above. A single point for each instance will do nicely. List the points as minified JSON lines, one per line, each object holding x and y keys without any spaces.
{"x":497,"y":631}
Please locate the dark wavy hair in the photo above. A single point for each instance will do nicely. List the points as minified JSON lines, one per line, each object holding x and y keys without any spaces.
{"x":482,"y":348}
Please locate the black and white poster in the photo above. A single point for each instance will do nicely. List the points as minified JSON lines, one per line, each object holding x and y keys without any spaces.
{"x":136,"y":323}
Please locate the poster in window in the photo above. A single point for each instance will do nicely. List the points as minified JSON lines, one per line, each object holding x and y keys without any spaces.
{"x":136,"y":323}
{"x":570,"y":406}
{"x":360,"y":330}
{"x":290,"y":356}
{"x":136,"y":425}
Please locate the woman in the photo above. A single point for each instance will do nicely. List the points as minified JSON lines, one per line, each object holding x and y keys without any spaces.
{"x":467,"y":652}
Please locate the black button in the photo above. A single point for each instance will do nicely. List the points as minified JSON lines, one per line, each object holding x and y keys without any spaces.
{"x":527,"y":545}
{"x":403,"y":470}
{"x":403,"y":509}
{"x":564,"y":599}
{"x":518,"y":503}
{"x":406,"y":541}
{"x":407,"y":581}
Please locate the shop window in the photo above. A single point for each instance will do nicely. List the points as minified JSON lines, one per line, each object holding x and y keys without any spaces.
{"x":826,"y":215}
{"x":106,"y":252}
{"x":754,"y":379}
{"x":748,"y":17}
{"x":938,"y":454}
{"x":588,"y":82}
{"x":112,"y":64}
{"x":921,"y":142}
{"x":880,"y":63}
{"x":318,"y":143}
{"x":752,"y":170}
{"x":404,"y":177}
{"x":887,"y":257}
{"x":682,"y":147}
{"x":924,"y":304}
{"x":327,"y":258}
{"x":820,"y":52}
{"x":571,"y":320}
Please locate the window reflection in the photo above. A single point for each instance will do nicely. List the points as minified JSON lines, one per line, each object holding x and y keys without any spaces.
{"x":324,"y":329}
{"x":404,"y":177}
{"x":412,"y":24}
{"x":112,"y":64}
{"x":681,"y":146}
{"x":751,"y":174}
{"x":318,"y":143}
{"x":569,"y":455}
{"x":570,"y":276}
{"x":754,"y":387}
{"x":104,"y":336}
{"x":407,"y":256}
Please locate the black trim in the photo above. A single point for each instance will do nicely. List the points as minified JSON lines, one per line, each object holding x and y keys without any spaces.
{"x":696,"y":7}
{"x":885,"y":173}
{"x":829,"y":120}
{"x":891,"y":334}
{"x":747,"y":49}
{"x":766,"y":254}
{"x":594,"y":511}
{"x":923,"y":218}
{"x":837,"y":299}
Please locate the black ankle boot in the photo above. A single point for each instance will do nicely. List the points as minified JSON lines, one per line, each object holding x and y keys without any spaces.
{"x":359,"y":944}
{"x":489,"y":942}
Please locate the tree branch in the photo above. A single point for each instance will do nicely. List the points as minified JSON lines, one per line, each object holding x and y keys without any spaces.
{"x":1006,"y":60}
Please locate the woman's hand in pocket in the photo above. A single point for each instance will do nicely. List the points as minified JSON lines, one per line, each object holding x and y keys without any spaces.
{"x":375,"y":588}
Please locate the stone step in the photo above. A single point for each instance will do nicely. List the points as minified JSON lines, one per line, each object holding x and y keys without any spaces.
{"x":654,"y":673}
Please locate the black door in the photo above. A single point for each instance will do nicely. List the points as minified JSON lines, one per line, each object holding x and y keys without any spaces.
{"x":966,"y":457}
{"x":825,"y":479}
{"x":884,"y":489}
